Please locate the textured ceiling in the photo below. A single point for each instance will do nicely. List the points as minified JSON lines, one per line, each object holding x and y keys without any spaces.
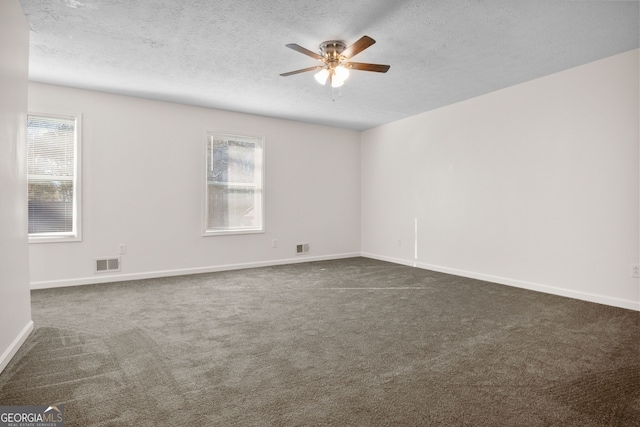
{"x":228,"y":54}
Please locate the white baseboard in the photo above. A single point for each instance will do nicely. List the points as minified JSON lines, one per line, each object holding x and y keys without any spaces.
{"x":8,"y":354}
{"x":120,"y":277}
{"x":389,"y":259}
{"x":554,"y":290}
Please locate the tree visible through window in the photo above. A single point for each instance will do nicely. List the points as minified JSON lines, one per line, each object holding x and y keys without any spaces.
{"x":52,"y":174}
{"x":234,"y":196}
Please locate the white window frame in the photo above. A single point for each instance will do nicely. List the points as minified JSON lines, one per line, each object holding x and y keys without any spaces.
{"x":232,"y":231}
{"x":75,"y":235}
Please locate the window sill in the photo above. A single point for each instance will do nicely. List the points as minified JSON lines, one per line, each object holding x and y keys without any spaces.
{"x":54,"y":239}
{"x":210,"y":233}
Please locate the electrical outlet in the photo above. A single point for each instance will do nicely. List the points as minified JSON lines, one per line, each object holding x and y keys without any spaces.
{"x":635,"y":270}
{"x":122,"y":249}
{"x":274,"y":243}
{"x":399,"y":242}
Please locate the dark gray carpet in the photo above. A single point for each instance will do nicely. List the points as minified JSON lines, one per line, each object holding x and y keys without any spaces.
{"x":348,"y":342}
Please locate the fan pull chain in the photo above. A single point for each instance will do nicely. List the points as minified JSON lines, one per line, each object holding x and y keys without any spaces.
{"x":333,"y":93}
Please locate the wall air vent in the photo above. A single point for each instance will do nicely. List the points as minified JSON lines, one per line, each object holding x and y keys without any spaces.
{"x":106,"y":265}
{"x":302,"y":248}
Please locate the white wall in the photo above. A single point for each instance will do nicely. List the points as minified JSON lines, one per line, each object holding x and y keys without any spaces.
{"x":15,"y":308}
{"x":534,"y":186}
{"x":143,"y":172}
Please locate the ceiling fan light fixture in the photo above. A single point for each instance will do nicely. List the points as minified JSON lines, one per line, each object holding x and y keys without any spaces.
{"x":322,"y":76}
{"x":336,"y":81}
{"x":341,"y":72}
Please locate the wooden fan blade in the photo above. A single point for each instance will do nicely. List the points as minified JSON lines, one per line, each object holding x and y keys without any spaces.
{"x":357,"y":47}
{"x":301,"y":49}
{"x":378,"y":68}
{"x":304,"y":70}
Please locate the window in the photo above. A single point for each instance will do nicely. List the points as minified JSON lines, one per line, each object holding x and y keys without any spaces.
{"x":234,"y":186}
{"x":53,"y":156}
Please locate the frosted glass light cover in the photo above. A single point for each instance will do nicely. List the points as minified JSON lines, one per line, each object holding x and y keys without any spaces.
{"x":341,"y":72}
{"x":322,"y":76}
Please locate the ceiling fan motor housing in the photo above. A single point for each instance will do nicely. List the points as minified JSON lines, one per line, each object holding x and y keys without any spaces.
{"x":331,"y":50}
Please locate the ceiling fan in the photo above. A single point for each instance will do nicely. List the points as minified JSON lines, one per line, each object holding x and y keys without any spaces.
{"x":335,"y":55}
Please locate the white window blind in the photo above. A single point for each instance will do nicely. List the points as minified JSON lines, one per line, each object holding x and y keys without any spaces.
{"x":234,"y":187}
{"x":52,"y":172}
